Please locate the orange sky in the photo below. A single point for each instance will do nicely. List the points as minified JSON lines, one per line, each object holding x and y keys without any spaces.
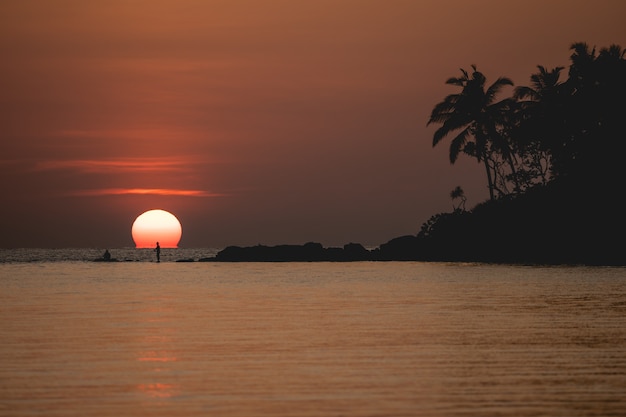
{"x":274,"y":121}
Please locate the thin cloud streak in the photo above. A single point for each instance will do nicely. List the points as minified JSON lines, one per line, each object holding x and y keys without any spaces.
{"x":117,"y":165}
{"x":147,"y":191}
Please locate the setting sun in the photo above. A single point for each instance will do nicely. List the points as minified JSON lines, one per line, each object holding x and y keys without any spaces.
{"x":156,"y":226}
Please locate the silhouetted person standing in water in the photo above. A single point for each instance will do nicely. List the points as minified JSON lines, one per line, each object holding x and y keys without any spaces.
{"x":107,"y":255}
{"x":158,"y":252}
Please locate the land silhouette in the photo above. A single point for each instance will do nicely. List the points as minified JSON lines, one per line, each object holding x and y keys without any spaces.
{"x":553,"y":157}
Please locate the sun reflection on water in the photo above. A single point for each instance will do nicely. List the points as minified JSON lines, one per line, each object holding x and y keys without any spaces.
{"x":156,"y":356}
{"x":158,"y":390}
{"x":155,"y":350}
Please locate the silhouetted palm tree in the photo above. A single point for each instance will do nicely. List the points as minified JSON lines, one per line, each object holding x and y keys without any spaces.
{"x":477,"y":115}
{"x":458,"y":193}
{"x":541,"y":119}
{"x":544,"y":85}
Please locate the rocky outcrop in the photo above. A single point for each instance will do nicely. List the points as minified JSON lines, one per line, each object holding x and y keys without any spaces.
{"x":309,"y":252}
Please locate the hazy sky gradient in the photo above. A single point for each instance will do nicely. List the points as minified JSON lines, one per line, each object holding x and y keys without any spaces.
{"x":274,"y":121}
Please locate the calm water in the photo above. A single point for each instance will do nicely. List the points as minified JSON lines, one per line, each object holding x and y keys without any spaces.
{"x":89,"y":254}
{"x":311,"y":339}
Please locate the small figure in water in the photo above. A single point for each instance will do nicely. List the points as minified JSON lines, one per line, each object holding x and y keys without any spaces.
{"x":106,"y":256}
{"x":158,"y":252}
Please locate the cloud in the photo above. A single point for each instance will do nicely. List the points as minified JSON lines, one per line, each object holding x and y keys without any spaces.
{"x":147,"y":191}
{"x":120,"y":165}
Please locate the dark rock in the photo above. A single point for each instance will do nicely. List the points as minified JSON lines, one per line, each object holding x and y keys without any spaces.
{"x":309,"y":252}
{"x":356,"y":252}
{"x":210,"y":259}
{"x":403,"y":248}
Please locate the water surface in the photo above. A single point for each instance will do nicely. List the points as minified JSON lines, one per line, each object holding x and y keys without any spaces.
{"x":311,"y":339}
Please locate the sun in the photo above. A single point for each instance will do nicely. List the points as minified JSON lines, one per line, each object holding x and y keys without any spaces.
{"x":156,"y":226}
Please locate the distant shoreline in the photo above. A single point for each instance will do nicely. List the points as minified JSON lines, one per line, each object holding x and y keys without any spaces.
{"x":449,"y":248}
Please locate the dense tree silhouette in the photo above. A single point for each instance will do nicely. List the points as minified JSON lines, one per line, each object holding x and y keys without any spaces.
{"x":553,"y":153}
{"x":539,"y":119}
{"x":593,"y":142}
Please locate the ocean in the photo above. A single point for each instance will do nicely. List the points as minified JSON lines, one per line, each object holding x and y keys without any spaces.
{"x":89,"y":254}
{"x":140,"y":338}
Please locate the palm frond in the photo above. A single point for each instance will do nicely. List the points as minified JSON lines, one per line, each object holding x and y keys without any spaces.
{"x":440,"y":133}
{"x":442,"y":110}
{"x":542,"y":82}
{"x":470,"y":150}
{"x":581,"y":48}
{"x":458,"y":143}
{"x":523,"y":92}
{"x":440,"y":117}
{"x":582,"y":53}
{"x":496,"y":87}
{"x":552,"y":77}
{"x":454,"y":122}
{"x":456,"y":81}
{"x":614,"y":51}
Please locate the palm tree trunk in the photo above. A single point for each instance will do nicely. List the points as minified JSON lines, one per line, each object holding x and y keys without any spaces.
{"x":489,"y":179}
{"x":514,"y":171}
